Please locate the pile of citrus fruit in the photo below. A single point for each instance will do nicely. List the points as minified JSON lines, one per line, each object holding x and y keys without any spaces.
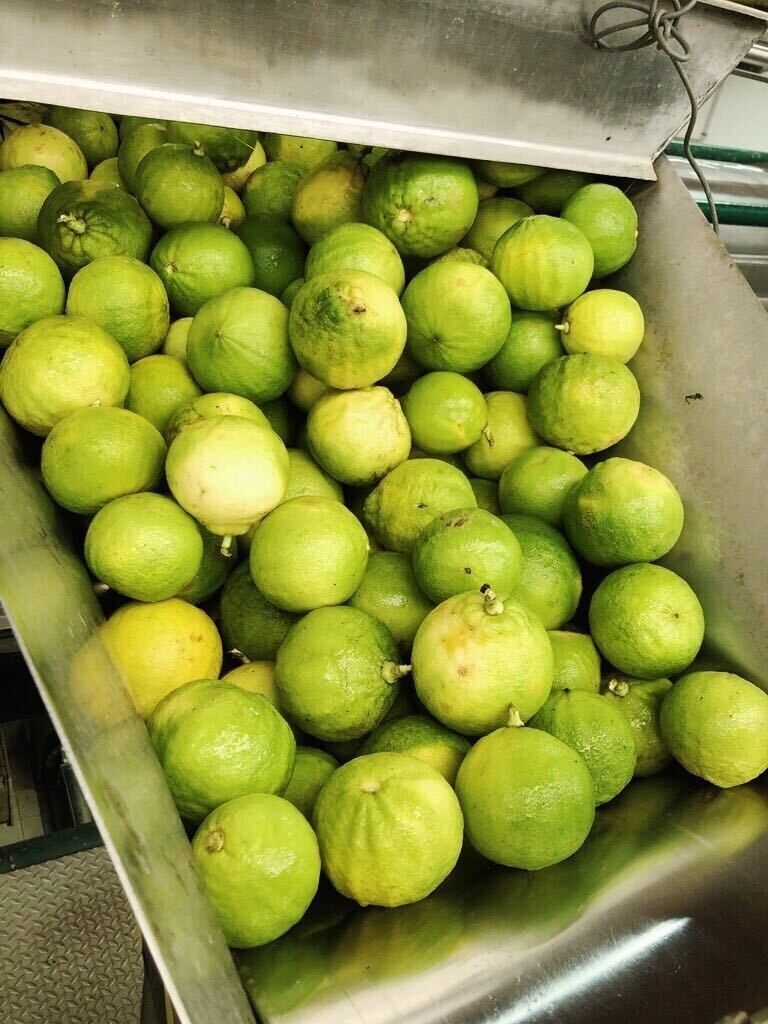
{"x":336,"y":423}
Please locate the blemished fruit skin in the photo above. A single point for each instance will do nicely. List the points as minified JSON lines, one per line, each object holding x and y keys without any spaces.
{"x":389,"y":592}
{"x":337,"y":673}
{"x":390,"y":829}
{"x":159,"y":647}
{"x":259,"y":863}
{"x":249,"y":623}
{"x":358,"y":436}
{"x":410,"y":496}
{"x":423,"y":738}
{"x":474,"y":656}
{"x":646,"y":621}
{"x":577,"y":661}
{"x":543,"y":262}
{"x":216,"y":742}
{"x":458,"y":317}
{"x":58,"y":365}
{"x":639,"y":700}
{"x":598,"y":732}
{"x":83,"y":220}
{"x":312,"y":769}
{"x":465,"y":550}
{"x":621,"y":512}
{"x":347,"y":328}
{"x":609,"y":221}
{"x":423,"y":204}
{"x":716,"y":725}
{"x":238,"y":343}
{"x":31,"y":287}
{"x":528,"y":799}
{"x":538,"y":481}
{"x":583,"y":403}
{"x":144,"y":546}
{"x":100,"y":453}
{"x":550,"y":578}
{"x":308,"y":553}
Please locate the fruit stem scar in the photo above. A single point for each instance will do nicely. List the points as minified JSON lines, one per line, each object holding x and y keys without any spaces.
{"x":240,"y":656}
{"x":514,"y":721}
{"x":75,"y":224}
{"x":214,"y":841}
{"x":226,"y":546}
{"x":619,"y":686}
{"x":390,"y":672}
{"x":493,"y":606}
{"x":404,"y":216}
{"x":370,"y":787}
{"x":486,"y":432}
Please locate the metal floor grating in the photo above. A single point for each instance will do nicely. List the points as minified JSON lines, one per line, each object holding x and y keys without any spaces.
{"x":70,"y":949}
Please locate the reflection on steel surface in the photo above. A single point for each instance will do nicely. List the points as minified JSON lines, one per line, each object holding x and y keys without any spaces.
{"x":706,"y":335}
{"x":506,"y":81}
{"x":627,"y":929}
{"x":48,"y":598}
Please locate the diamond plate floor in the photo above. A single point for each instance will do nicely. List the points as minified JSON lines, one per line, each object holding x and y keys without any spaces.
{"x":70,"y":949}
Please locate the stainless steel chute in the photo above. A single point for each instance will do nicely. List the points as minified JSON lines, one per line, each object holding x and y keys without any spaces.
{"x":638,"y":930}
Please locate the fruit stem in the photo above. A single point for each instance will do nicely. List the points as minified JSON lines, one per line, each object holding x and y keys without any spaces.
{"x":226,"y":546}
{"x":101,"y":588}
{"x":75,"y":224}
{"x":486,"y":432}
{"x":619,"y":686}
{"x":514,"y":721}
{"x":564,"y":327}
{"x":240,"y":656}
{"x":225,"y":222}
{"x":391,"y":672}
{"x":493,"y":606}
{"x":214,"y":841}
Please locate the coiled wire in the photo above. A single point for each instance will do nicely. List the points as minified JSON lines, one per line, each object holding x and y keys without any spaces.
{"x":658,"y":24}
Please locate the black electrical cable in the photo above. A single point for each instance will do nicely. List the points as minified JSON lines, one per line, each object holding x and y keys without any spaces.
{"x":659,"y":27}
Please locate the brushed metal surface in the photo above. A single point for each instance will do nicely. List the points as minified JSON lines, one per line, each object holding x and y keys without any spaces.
{"x":500,"y":79}
{"x":659,"y":918}
{"x":48,"y":598}
{"x":703,"y":418}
